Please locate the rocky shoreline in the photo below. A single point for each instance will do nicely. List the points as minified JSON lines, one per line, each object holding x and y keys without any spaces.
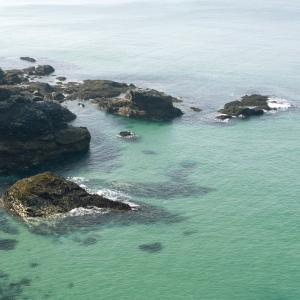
{"x":34,"y":129}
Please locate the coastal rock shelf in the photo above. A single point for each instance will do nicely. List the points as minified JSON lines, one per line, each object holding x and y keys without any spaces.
{"x":35,"y":132}
{"x":141,"y":104}
{"x":253,"y":105}
{"x":44,"y":195}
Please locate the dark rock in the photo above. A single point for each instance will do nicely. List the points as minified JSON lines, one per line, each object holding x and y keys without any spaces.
{"x":39,"y":86}
{"x":196,"y":109}
{"x":8,"y":244}
{"x":141,"y":104}
{"x":12,"y":77}
{"x":37,"y":98}
{"x":44,"y":195}
{"x":151,"y":248}
{"x":253,"y":105}
{"x":58,"y":96}
{"x":34,"y":132}
{"x":44,"y":70}
{"x":61,"y":78}
{"x":224,"y":117}
{"x":4,"y":94}
{"x":34,"y":265}
{"x":28,"y":59}
{"x":81,"y":105}
{"x":126,"y":133}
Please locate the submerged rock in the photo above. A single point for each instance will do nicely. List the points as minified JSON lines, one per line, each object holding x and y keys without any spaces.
{"x":44,"y":195}
{"x":253,"y":105}
{"x":8,"y":244}
{"x":141,"y":104}
{"x":196,"y":109}
{"x":151,"y":248}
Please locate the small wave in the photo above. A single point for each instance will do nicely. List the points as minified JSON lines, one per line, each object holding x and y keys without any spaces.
{"x":78,"y":180}
{"x":278,"y":103}
{"x":80,"y":211}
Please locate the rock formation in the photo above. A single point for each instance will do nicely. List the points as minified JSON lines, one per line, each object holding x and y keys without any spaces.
{"x":34,"y":132}
{"x":253,"y":105}
{"x":44,"y":195}
{"x":141,"y":104}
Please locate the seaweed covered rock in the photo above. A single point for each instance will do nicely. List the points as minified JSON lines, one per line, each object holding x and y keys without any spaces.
{"x":141,"y":104}
{"x":253,"y":105}
{"x":44,"y":195}
{"x":34,"y":132}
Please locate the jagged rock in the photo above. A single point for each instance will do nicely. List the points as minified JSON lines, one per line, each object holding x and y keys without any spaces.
{"x":4,"y":94}
{"x":142,"y":104}
{"x":126,"y":133}
{"x":44,"y":195}
{"x":253,"y":105}
{"x":34,"y":132}
{"x":12,"y":77}
{"x":44,"y":70}
{"x":28,"y":59}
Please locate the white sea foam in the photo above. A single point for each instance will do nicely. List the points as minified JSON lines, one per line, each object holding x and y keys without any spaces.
{"x":278,"y":103}
{"x":80,"y":211}
{"x":78,"y":180}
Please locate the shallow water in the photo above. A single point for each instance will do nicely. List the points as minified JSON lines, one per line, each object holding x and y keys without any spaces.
{"x":219,"y":198}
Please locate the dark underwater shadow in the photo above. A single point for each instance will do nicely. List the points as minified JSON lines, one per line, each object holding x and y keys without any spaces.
{"x":146,"y":214}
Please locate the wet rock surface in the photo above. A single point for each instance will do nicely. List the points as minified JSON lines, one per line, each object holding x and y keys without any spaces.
{"x":253,"y":105}
{"x":141,"y":104}
{"x":44,"y":195}
{"x":32,"y":132}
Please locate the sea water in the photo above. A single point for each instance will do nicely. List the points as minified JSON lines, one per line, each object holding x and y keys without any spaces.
{"x":221,"y":198}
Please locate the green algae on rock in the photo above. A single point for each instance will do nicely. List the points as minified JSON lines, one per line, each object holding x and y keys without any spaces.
{"x":44,"y":195}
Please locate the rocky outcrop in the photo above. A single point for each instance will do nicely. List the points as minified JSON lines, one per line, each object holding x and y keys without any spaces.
{"x":141,"y":104}
{"x":91,"y":89}
{"x":44,"y":70}
{"x":44,"y":195}
{"x":34,"y":132}
{"x":253,"y":105}
{"x":29,"y":59}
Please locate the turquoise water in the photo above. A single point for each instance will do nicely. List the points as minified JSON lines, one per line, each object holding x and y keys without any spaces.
{"x":221,"y":198}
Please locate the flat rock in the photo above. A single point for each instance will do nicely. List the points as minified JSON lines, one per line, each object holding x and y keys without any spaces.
{"x":44,"y":195}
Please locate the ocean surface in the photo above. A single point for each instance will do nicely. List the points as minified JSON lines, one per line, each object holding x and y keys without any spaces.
{"x":219,"y":200}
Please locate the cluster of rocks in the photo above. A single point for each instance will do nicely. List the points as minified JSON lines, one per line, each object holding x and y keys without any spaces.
{"x":253,"y":105}
{"x":141,"y":104}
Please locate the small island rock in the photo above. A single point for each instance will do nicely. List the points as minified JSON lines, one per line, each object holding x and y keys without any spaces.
{"x":44,"y":195}
{"x":253,"y":105}
{"x":30,"y":59}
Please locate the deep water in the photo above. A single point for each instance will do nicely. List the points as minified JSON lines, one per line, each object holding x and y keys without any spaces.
{"x":218,"y":202}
